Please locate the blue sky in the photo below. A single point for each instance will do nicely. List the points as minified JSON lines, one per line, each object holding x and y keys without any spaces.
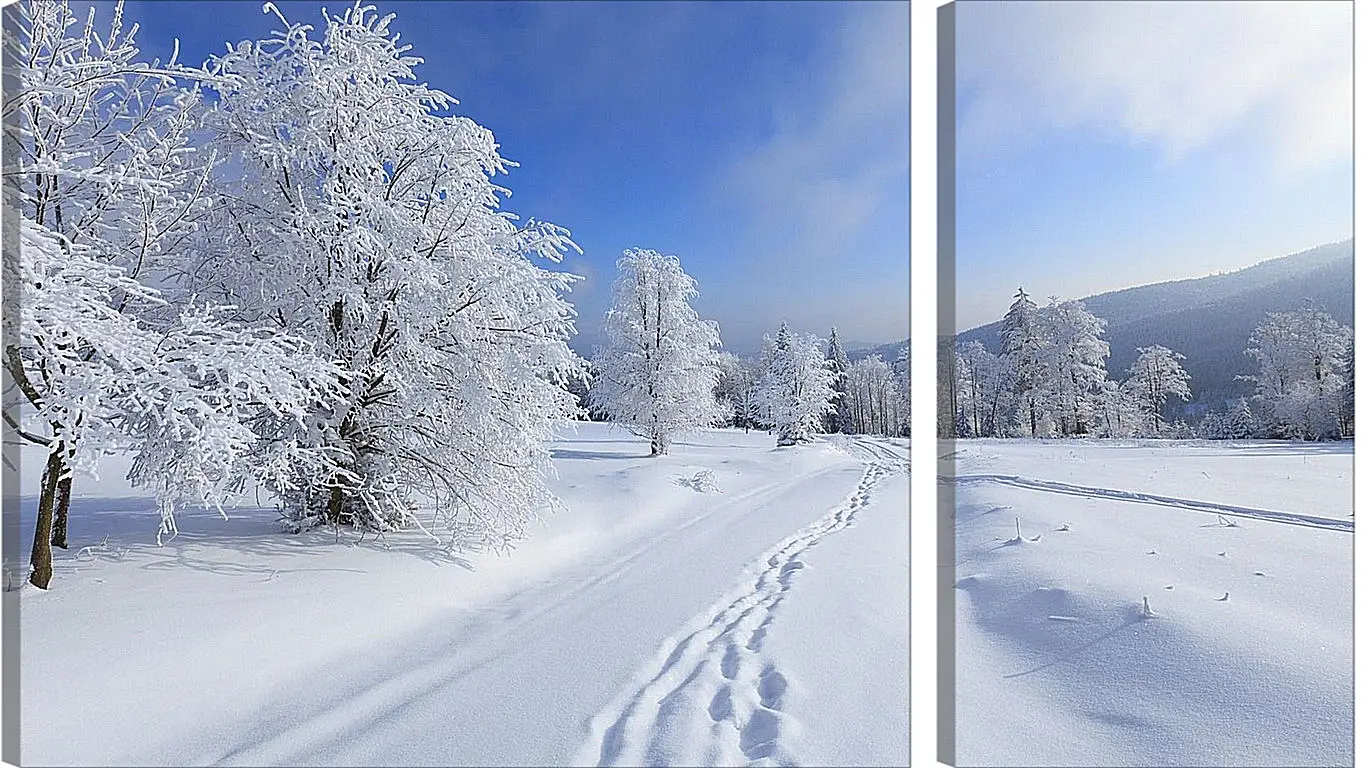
{"x":766,"y":144}
{"x":1105,"y":145}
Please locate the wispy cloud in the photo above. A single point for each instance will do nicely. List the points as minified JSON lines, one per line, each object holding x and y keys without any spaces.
{"x":842,"y":150}
{"x":828,"y":184}
{"x":1183,"y":75}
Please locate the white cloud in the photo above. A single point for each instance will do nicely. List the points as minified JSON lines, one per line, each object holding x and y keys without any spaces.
{"x":1182,"y":75}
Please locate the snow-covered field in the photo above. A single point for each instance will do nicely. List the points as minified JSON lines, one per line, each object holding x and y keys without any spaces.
{"x":656,"y":620}
{"x":1244,"y":553}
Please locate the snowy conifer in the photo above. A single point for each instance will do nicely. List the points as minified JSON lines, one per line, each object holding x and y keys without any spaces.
{"x":1022,"y":345}
{"x":837,"y":360}
{"x":798,"y":388}
{"x":658,"y":370}
{"x":1240,"y":423}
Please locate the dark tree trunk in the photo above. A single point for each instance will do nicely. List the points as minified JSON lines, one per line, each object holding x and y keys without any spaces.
{"x":334,"y":506}
{"x":41,"y":558}
{"x":61,"y":507}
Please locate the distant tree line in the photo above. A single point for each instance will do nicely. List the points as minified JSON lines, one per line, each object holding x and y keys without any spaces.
{"x":661,"y":371}
{"x":1050,"y":380}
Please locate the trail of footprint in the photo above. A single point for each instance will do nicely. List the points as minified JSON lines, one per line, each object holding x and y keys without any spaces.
{"x":714,"y":681}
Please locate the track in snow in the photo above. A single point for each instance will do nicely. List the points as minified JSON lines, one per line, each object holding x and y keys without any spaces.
{"x":716,"y":697}
{"x":1052,"y":486}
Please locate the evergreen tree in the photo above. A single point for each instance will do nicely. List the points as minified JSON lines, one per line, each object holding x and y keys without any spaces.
{"x":837,"y":360}
{"x":1022,"y":345}
{"x":798,"y":388}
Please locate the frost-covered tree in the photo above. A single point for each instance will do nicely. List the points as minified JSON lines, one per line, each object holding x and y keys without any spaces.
{"x":797,"y":386}
{"x":751,"y":410}
{"x":876,"y":404}
{"x":731,"y":382}
{"x":658,"y":369}
{"x":1154,"y":377}
{"x":109,"y":188}
{"x":947,"y":411}
{"x":1074,"y":354}
{"x":362,"y":215}
{"x":1213,"y":426}
{"x":984,"y":387}
{"x":1304,"y":356}
{"x":837,"y":360}
{"x":1120,"y":414}
{"x":1241,"y":423}
{"x":1022,"y":345}
{"x":900,"y":373}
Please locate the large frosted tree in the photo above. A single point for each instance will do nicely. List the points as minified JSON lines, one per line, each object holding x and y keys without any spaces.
{"x":660,"y":366}
{"x":797,"y":386}
{"x":1305,"y":363}
{"x":104,"y":350}
{"x":362,"y":215}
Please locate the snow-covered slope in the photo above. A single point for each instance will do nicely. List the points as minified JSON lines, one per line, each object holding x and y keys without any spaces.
{"x":1243,"y":552}
{"x":235,"y":644}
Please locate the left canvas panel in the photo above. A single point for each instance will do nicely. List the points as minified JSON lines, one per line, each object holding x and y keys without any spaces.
{"x":322,"y":448}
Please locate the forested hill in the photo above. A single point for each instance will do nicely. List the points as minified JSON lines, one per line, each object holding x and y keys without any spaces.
{"x":1209,"y":319}
{"x":888,"y":352}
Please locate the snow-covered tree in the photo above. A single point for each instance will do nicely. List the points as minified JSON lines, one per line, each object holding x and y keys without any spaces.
{"x":1074,"y":355}
{"x":1022,"y":345}
{"x":985,"y":393}
{"x":751,"y":409}
{"x":797,"y":386}
{"x":1120,"y":414}
{"x":876,"y":404}
{"x":837,"y":360}
{"x":1213,"y":426}
{"x":732,"y":379}
{"x":1154,"y":377}
{"x":1303,"y":356}
{"x":1240,"y":422}
{"x":947,"y":414}
{"x":658,"y":370}
{"x":109,"y":188}
{"x":900,"y":373}
{"x":361,"y":215}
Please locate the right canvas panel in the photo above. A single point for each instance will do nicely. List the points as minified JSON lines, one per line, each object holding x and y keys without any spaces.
{"x":1146,"y":397}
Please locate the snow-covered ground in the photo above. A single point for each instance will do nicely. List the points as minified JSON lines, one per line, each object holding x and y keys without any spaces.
{"x":1244,"y":553}
{"x":656,"y":619}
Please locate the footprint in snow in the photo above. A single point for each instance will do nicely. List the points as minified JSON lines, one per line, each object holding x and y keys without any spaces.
{"x":721,"y":705}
